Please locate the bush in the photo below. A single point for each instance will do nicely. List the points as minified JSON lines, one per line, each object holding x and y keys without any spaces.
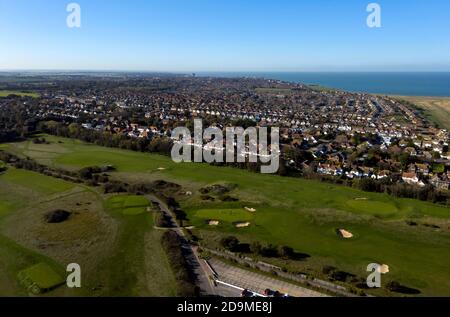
{"x":172,"y":245}
{"x":286,"y":252}
{"x":230,"y":243}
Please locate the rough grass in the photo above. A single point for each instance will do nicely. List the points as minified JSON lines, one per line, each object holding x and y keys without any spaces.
{"x":437,"y":109}
{"x":6,"y":93}
{"x":119,"y":255}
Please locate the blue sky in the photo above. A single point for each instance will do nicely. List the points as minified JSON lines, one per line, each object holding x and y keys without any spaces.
{"x":225,"y":35}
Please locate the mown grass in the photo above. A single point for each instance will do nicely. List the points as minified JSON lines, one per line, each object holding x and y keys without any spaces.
{"x":6,"y":93}
{"x":299,"y":213}
{"x":228,"y":215}
{"x":138,"y":266}
{"x":37,"y":182}
{"x":40,"y":277}
{"x":128,"y":205}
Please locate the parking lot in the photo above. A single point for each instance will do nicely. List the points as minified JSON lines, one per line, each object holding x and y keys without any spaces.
{"x":256,"y":282}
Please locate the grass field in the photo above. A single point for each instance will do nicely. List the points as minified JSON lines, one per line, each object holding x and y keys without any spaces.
{"x":6,"y":93}
{"x":299,"y":213}
{"x":139,"y":267}
{"x":227,"y":215}
{"x":128,"y":205}
{"x":437,"y":109}
{"x":40,"y":278}
{"x":14,"y":257}
{"x":119,"y":256}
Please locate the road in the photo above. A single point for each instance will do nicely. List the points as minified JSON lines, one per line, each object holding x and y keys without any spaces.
{"x":198,"y":266}
{"x":221,"y":271}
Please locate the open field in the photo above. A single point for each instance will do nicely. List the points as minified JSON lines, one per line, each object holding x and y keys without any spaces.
{"x":6,"y":93}
{"x":139,"y":266}
{"x":274,"y":91}
{"x":299,"y":213}
{"x":35,"y":253}
{"x":128,"y":205}
{"x":437,"y":109}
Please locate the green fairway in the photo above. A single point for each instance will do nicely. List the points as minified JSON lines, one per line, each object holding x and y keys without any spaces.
{"x":40,"y":278}
{"x":299,"y":213}
{"x":228,"y":215}
{"x":128,"y":205}
{"x":36,"y":182}
{"x":6,"y":93}
{"x":376,"y":208}
{"x":139,"y":266}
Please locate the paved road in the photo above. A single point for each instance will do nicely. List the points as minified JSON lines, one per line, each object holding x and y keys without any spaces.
{"x":197,"y":265}
{"x":258,"y":282}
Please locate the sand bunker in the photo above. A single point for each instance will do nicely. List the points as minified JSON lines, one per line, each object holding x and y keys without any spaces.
{"x":242,"y":224}
{"x":250,"y":209}
{"x":384,"y":269}
{"x":161,"y":168}
{"x":345,"y":234}
{"x":213,"y":223}
{"x":361,"y":198}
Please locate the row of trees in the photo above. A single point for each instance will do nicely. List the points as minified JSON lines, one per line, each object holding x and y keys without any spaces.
{"x":172,"y":245}
{"x":393,"y":187}
{"x":163,"y":145}
{"x":231,"y":243}
{"x":154,"y":144}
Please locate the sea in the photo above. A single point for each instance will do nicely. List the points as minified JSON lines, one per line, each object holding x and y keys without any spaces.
{"x":436,"y":84}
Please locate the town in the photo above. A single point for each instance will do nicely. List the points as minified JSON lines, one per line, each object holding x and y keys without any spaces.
{"x":335,"y":134}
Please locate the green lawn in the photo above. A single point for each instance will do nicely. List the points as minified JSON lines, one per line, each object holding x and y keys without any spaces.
{"x":299,"y":213}
{"x":37,"y":182}
{"x":128,"y":205}
{"x":6,"y":93}
{"x":40,"y":277}
{"x":138,"y":266}
{"x":228,"y":215}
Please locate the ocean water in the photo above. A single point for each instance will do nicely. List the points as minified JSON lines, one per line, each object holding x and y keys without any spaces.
{"x":392,"y":83}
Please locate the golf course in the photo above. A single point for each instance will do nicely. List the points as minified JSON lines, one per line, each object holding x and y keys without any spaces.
{"x":110,"y":236}
{"x":113,"y":234}
{"x":6,"y":93}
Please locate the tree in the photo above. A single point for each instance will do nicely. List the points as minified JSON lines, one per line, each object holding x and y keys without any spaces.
{"x":256,"y":248}
{"x":230,"y":243}
{"x":286,"y":252}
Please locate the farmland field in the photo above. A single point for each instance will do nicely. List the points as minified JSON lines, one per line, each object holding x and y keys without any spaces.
{"x":298,"y":213}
